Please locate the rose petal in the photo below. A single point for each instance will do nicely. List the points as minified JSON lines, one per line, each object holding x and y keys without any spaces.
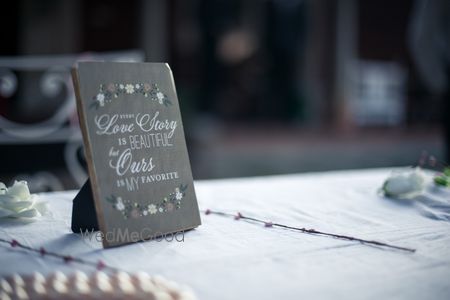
{"x":405,"y":185}
{"x":14,"y":204}
{"x":41,"y":207}
{"x":17,"y":202}
{"x":5,"y":213}
{"x":19,"y":190}
{"x":29,"y":213}
{"x":398,"y":185}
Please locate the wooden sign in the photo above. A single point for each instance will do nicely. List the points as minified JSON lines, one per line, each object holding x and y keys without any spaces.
{"x":136,"y":153}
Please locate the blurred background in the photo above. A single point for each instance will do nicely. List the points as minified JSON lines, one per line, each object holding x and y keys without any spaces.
{"x":265,"y":86}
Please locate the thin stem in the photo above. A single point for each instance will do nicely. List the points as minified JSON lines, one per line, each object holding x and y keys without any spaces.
{"x":66,"y":258}
{"x":309,"y":231}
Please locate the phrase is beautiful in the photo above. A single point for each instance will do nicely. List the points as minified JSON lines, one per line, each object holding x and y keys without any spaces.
{"x":134,"y":132}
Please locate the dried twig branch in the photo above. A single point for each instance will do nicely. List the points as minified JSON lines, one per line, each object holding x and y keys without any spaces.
{"x":239,"y":216}
{"x":99,"y":265}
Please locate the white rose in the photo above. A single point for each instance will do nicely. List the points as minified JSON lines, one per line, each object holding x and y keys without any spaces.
{"x":101,"y":99}
{"x":17,"y":202}
{"x":405,"y":185}
{"x":129,"y":88}
{"x":152,"y":209}
{"x":119,"y":205}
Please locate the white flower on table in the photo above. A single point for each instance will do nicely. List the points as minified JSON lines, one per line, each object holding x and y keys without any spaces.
{"x":101,"y":99}
{"x":119,"y":204}
{"x":405,"y":184}
{"x":160,"y":97}
{"x":152,"y":209}
{"x":129,"y":88}
{"x":17,"y":202}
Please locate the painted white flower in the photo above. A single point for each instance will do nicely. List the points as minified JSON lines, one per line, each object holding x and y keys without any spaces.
{"x":101,"y":99}
{"x":129,"y":88}
{"x":161,"y":209}
{"x":145,"y":212}
{"x":160,"y":97}
{"x":137,"y":86}
{"x":152,"y":209}
{"x":17,"y":202}
{"x":121,"y":86}
{"x":405,"y":184}
{"x":119,"y":205}
{"x":178,"y":195}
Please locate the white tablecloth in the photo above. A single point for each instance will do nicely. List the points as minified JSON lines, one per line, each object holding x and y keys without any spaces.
{"x":228,"y":259}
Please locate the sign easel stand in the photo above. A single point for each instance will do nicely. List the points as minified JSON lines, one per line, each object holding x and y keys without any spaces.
{"x":84,"y":217}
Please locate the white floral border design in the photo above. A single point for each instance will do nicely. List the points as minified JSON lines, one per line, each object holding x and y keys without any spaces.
{"x":109,"y":91}
{"x":135,"y":210}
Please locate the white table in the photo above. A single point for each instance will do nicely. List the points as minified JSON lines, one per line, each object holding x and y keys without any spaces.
{"x":228,"y":259}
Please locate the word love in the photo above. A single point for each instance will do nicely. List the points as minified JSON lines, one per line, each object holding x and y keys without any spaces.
{"x":111,"y":124}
